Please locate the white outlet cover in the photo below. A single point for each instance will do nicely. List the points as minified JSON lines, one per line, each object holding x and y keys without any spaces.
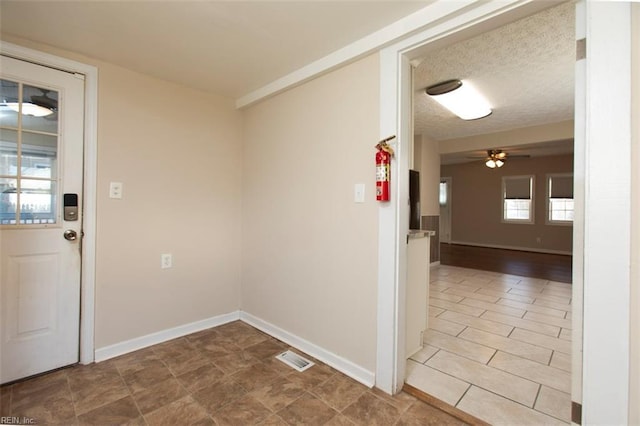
{"x":115,"y":190}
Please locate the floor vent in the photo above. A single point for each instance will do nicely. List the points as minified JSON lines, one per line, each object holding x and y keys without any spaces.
{"x":294,"y":360}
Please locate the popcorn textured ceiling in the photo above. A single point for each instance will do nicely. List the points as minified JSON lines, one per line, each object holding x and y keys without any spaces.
{"x":525,"y":69}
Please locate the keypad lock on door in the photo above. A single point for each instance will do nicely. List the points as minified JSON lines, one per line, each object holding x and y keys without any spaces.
{"x":70,"y":207}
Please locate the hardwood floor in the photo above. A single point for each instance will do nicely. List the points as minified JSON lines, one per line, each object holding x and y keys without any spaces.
{"x":553,"y":267}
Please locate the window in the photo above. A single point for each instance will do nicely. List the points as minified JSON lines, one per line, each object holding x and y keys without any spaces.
{"x":443,"y":193}
{"x":560,"y":199}
{"x":517,"y":199}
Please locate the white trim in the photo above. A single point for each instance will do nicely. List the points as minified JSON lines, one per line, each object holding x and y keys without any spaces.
{"x":343,"y":365}
{"x":607,"y":221}
{"x":87,"y":302}
{"x":500,"y":246}
{"x":358,"y":49}
{"x":141,"y":342}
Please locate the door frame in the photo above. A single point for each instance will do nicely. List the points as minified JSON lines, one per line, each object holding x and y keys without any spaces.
{"x":88,"y":255}
{"x":603,"y":254}
{"x":447,"y":23}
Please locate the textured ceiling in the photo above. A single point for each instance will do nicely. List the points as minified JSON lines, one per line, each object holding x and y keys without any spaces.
{"x":525,"y":69}
{"x":559,"y":147}
{"x":225,"y":47}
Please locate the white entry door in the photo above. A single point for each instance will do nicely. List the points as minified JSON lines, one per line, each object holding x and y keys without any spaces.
{"x":41,"y":170}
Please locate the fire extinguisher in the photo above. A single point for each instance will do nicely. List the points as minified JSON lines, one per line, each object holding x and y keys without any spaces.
{"x":383,"y":169}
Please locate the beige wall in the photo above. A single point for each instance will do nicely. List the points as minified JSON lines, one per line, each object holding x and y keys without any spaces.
{"x":476,"y":204}
{"x":178,"y":153}
{"x":430,"y":177}
{"x":309,"y":251}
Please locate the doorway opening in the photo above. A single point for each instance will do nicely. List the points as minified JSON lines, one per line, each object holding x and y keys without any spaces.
{"x":498,"y":343}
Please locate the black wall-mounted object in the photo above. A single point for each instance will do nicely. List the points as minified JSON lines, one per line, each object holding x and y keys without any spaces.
{"x":414,"y":199}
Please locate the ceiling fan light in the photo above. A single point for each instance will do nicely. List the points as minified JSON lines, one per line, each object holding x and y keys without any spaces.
{"x":491,"y":163}
{"x":30,"y":109}
{"x":499,"y":163}
{"x":461,"y":98}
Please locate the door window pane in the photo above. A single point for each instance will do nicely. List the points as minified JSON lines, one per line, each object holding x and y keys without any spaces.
{"x":37,"y":202}
{"x":8,"y":98}
{"x":39,"y":153}
{"x":8,"y":152}
{"x":28,"y":154}
{"x":39,"y":109}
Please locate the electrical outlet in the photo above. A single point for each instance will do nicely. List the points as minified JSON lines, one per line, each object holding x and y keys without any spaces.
{"x":166,"y":261}
{"x":115,"y":190}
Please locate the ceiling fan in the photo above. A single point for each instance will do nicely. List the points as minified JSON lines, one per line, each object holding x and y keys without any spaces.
{"x":497,"y":157}
{"x":38,"y":106}
{"x":46,"y":102}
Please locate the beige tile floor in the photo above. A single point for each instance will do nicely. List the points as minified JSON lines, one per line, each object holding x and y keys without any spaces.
{"x":498,"y":346}
{"x":226,"y":375}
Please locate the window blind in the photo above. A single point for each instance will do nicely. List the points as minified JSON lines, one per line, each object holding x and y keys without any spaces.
{"x":517,"y":188}
{"x":561,"y":187}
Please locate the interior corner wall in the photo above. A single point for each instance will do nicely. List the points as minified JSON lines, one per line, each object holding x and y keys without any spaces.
{"x":476,"y":205}
{"x":181,"y":168}
{"x":309,"y":251}
{"x":181,"y":174}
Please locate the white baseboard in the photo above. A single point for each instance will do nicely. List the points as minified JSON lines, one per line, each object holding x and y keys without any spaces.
{"x":127,"y":346}
{"x":498,"y":246}
{"x":345,"y":366}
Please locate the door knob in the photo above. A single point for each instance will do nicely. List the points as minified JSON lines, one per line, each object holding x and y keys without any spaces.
{"x":70,"y":235}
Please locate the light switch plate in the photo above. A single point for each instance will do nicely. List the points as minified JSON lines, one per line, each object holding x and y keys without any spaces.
{"x":358,"y":193}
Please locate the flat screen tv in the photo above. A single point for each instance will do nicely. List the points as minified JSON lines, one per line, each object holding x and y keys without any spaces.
{"x":414,"y":199}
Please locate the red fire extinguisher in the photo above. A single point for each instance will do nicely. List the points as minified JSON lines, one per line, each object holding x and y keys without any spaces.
{"x":383,"y":169}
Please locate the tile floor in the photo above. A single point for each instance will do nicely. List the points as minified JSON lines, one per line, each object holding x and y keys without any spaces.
{"x":498,"y":346}
{"x":221,"y":376}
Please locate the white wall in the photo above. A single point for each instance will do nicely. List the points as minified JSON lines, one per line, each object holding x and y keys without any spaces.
{"x":309,"y":251}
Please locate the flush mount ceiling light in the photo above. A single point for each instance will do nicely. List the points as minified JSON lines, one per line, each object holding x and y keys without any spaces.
{"x":495,"y":158}
{"x":30,"y":109}
{"x":461,"y":98}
